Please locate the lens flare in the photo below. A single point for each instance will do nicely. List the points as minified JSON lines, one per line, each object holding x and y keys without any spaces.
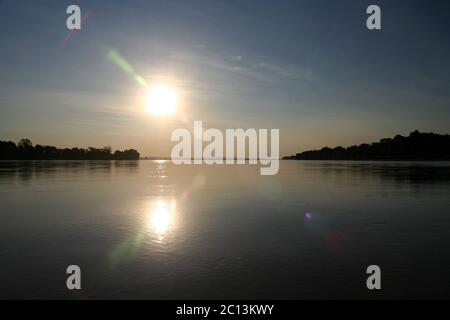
{"x":73,"y":31}
{"x":123,"y":64}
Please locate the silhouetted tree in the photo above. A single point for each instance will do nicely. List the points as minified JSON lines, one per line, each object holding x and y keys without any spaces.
{"x":24,"y":150}
{"x":24,"y":143}
{"x":417,"y":146}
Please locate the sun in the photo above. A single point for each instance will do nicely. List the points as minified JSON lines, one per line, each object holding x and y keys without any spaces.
{"x":161,"y":100}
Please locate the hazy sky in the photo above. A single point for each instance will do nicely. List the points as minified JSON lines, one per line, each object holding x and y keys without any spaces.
{"x":310,"y":68}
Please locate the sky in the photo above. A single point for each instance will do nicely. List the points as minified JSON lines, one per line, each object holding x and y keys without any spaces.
{"x":308,"y":68}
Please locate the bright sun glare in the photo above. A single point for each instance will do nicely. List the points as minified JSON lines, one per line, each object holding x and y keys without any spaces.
{"x":161,"y":100}
{"x":162,"y":215}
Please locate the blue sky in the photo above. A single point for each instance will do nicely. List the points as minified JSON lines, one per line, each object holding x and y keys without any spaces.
{"x":309,"y":68}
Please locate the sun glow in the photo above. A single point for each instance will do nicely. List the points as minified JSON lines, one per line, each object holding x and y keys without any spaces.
{"x":161,"y":100}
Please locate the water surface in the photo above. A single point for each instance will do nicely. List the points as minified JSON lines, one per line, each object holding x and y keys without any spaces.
{"x":149,"y":229}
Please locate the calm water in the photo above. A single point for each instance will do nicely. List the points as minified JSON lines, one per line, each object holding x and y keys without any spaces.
{"x":149,"y":229}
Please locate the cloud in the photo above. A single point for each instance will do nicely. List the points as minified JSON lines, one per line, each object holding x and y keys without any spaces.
{"x":285,"y":71}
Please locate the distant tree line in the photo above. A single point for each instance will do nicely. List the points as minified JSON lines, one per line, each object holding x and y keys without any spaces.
{"x":416,"y":146}
{"x":24,"y":150}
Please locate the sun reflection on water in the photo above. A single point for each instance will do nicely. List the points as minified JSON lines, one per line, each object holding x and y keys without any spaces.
{"x":162,"y":216}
